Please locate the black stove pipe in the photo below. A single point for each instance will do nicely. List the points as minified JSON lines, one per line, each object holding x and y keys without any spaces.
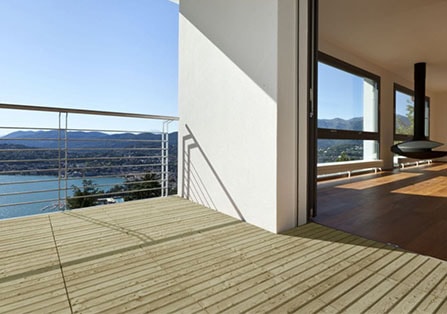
{"x":419,"y":101}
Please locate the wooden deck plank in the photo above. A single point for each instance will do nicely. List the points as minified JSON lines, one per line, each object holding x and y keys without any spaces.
{"x":170,"y":255}
{"x":356,"y":287}
{"x":307,"y":281}
{"x":29,"y":285}
{"x":147,"y":219}
{"x":160,"y":278}
{"x":251,"y":295}
{"x":31,"y":293}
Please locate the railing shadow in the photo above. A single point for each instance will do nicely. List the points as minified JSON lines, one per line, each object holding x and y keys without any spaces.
{"x":190,"y":173}
{"x":145,"y":242}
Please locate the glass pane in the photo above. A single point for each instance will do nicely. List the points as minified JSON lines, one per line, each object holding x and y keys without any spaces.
{"x":346,"y":101}
{"x":404,"y":113}
{"x":347,"y":150}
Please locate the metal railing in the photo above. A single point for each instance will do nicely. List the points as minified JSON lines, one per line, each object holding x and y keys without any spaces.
{"x":59,"y":158}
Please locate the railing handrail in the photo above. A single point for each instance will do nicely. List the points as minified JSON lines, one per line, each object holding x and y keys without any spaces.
{"x":87,"y":111}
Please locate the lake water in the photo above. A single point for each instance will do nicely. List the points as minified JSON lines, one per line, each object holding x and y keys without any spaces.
{"x":50,"y":183}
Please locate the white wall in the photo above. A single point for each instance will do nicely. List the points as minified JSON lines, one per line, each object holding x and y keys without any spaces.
{"x":438,"y":125}
{"x":237,"y":107}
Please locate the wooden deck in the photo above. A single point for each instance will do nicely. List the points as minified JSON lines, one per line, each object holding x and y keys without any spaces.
{"x":169,"y":255}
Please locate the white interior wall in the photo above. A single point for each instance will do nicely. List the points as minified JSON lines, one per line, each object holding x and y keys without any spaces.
{"x":237,"y":107}
{"x":438,"y":125}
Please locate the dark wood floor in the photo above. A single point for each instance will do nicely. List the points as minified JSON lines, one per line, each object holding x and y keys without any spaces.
{"x":407,"y":207}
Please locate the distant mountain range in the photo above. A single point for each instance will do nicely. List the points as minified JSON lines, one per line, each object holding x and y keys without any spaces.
{"x":49,"y":139}
{"x":354,"y":124}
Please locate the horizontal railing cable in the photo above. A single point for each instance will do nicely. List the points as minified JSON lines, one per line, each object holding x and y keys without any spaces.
{"x":83,"y":166}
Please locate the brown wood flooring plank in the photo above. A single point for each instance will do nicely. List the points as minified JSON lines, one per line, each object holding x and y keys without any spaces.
{"x":406,"y":207}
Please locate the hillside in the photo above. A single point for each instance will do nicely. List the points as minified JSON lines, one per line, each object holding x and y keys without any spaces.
{"x":49,"y":139}
{"x":356,"y":124}
{"x":90,"y":153}
{"x":330,"y":150}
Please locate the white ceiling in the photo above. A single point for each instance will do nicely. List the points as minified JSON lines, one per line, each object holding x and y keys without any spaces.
{"x":393,"y":34}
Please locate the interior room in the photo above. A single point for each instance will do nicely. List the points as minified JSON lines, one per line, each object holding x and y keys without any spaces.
{"x":375,"y":45}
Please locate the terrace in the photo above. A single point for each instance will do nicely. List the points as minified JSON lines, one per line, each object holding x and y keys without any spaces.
{"x":167,"y":254}
{"x":251,"y":159}
{"x":171,"y":255}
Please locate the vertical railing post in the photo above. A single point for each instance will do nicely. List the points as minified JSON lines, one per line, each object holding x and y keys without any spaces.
{"x":59,"y":174}
{"x":66,"y":159}
{"x":165,"y":160}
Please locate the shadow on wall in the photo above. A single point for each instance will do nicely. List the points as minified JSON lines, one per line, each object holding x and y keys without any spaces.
{"x":193,"y":186}
{"x":240,"y":31}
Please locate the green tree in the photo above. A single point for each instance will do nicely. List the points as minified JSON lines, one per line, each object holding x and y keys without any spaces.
{"x":84,"y":197}
{"x":146,"y":187}
{"x":116,"y":188}
{"x":343,"y":157}
{"x":410,"y":113}
{"x":403,"y":128}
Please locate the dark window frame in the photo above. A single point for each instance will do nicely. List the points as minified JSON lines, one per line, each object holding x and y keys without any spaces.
{"x":410,"y":92}
{"x":337,"y":134}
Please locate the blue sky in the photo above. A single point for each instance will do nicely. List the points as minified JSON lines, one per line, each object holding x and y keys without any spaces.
{"x":114,"y":55}
{"x":340,"y":94}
